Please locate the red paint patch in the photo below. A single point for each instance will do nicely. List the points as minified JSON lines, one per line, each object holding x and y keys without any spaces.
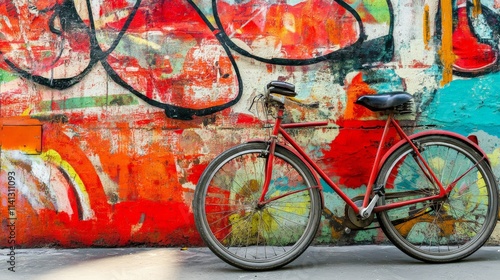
{"x":351,"y":155}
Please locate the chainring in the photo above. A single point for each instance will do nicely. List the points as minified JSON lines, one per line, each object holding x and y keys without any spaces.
{"x":353,"y":220}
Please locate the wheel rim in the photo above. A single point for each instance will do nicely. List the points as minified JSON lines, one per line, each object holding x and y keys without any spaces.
{"x":439,"y":228}
{"x":246,"y":232}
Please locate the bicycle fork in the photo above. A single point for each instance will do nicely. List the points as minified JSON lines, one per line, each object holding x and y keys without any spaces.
{"x":270,"y":159}
{"x":269,"y":154}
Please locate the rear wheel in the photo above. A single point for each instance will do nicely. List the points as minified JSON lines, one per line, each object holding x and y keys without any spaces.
{"x":243,"y":233}
{"x":442,"y":230}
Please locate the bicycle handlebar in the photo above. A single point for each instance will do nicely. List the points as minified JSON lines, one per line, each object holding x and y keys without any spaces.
{"x":283,"y":89}
{"x":277,"y":91}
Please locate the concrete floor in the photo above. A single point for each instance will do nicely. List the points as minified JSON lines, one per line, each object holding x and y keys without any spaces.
{"x":350,"y":262}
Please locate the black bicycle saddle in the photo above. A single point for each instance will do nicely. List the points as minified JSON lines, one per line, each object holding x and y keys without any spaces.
{"x":385,"y":101}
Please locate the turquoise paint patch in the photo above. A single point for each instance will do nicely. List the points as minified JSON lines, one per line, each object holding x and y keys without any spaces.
{"x":465,"y":106}
{"x":366,"y":236}
{"x":315,"y":151}
{"x":383,"y":80}
{"x":337,"y":206}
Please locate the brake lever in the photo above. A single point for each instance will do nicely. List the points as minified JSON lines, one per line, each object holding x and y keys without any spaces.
{"x":255,"y":99}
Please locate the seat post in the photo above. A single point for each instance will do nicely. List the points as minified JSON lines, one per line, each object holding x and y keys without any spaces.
{"x":376,"y":163}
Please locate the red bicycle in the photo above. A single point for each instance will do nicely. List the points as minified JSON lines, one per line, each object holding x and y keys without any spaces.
{"x":258,"y":205}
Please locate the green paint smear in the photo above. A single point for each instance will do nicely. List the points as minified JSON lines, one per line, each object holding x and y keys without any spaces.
{"x":6,"y":76}
{"x":176,"y":49}
{"x":378,"y":9}
{"x":89,"y":102}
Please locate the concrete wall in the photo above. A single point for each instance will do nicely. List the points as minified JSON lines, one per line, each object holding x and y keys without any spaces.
{"x":110,"y":110}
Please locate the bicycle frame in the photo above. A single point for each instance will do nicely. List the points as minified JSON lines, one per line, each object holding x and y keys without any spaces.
{"x":368,"y":205}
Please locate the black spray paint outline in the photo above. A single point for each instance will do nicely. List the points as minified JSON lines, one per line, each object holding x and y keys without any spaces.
{"x":67,"y":13}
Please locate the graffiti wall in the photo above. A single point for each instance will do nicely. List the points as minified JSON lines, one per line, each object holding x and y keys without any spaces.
{"x":110,"y":110}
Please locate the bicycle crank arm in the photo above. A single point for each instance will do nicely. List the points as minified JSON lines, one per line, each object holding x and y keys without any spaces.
{"x":366,"y":212}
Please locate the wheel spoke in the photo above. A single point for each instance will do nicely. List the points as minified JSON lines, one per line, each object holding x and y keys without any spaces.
{"x":446,"y":229}
{"x":240,"y":230}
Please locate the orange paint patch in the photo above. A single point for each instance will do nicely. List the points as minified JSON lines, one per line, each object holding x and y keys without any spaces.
{"x":477,"y":8}
{"x":355,"y":89}
{"x":20,"y":133}
{"x":446,"y":52}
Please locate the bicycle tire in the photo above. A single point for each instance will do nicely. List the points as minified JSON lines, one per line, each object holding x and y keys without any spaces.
{"x":446,"y":230}
{"x":231,"y":224}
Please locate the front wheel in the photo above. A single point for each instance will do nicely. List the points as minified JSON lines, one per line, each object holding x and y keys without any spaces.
{"x":442,"y":230}
{"x":248,"y":235}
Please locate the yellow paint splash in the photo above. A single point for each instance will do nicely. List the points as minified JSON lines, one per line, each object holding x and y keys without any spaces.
{"x":426,"y":27}
{"x":476,"y":11}
{"x":494,"y":157}
{"x":55,"y":158}
{"x":27,"y":111}
{"x":437,"y":164}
